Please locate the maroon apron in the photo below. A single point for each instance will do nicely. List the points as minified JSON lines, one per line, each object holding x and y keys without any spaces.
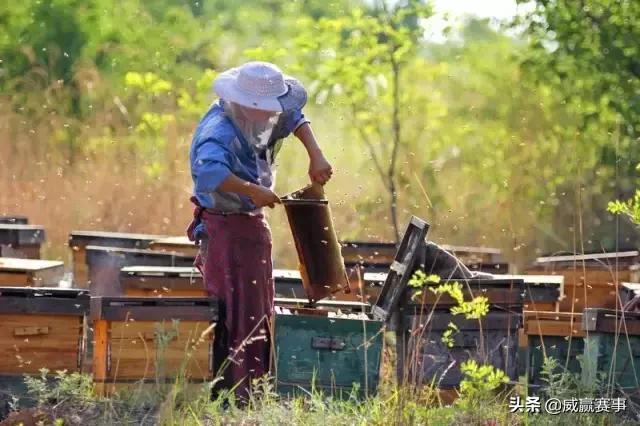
{"x":235,"y":262}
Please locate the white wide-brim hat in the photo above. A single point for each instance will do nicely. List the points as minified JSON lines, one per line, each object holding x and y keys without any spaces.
{"x":260,"y":85}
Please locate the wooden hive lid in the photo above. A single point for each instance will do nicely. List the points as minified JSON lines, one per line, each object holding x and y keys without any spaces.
{"x":14,"y":220}
{"x":44,"y":300}
{"x":112,"y":239}
{"x":401,"y":269}
{"x":27,"y":265}
{"x":161,"y":271}
{"x":154,"y":309}
{"x":175,"y":240}
{"x":603,"y":260}
{"x":96,"y":255}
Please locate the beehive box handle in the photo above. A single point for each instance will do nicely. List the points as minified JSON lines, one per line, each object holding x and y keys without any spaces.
{"x":30,"y":331}
{"x":331,"y":343}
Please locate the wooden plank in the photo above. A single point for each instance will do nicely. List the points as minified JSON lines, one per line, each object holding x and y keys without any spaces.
{"x":396,"y":282}
{"x":163,"y":283}
{"x":575,"y":299}
{"x":134,"y":351}
{"x":154,"y":309}
{"x":14,"y":220}
{"x":553,"y":324}
{"x":31,"y":342}
{"x":187,"y":329}
{"x":181,"y":271}
{"x":542,"y":306}
{"x":14,"y":279}
{"x":496,"y":296}
{"x":80,"y":269}
{"x":28,"y":265}
{"x":30,"y":331}
{"x":589,"y":257}
{"x":439,"y":320}
{"x":30,"y":272}
{"x":178,"y":244}
{"x":26,"y":251}
{"x":628,"y":291}
{"x":113,"y":239}
{"x":611,"y":321}
{"x":61,"y":306}
{"x":165,"y":293}
{"x":589,"y":287}
{"x":21,"y":234}
{"x":105,"y":264}
{"x":142,"y":364}
{"x":100,"y":342}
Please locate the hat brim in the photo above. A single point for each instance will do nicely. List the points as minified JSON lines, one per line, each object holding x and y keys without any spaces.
{"x":225,"y":85}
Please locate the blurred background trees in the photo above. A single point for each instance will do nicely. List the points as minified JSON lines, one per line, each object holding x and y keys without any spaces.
{"x":515,"y":136}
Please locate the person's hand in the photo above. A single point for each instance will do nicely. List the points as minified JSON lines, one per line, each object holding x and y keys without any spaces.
{"x":262,"y":196}
{"x":319,"y":169}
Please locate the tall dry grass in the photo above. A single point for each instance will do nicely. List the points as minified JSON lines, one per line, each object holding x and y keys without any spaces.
{"x":53,"y":171}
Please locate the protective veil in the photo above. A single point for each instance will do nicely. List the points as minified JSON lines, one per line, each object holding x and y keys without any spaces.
{"x":257,"y":133}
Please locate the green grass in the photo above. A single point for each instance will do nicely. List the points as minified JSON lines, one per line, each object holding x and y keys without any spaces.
{"x":69,"y":400}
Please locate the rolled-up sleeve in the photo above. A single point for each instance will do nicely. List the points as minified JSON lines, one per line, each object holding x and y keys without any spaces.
{"x":211,"y":166}
{"x":294,"y":120}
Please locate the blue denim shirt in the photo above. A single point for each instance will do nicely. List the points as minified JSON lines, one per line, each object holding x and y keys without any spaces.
{"x":218,"y":149}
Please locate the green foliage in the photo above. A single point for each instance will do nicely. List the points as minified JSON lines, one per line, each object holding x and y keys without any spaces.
{"x":480,"y":380}
{"x":365,"y":63}
{"x":593,"y":46}
{"x":63,"y":387}
{"x":629,"y":208}
{"x":475,"y":308}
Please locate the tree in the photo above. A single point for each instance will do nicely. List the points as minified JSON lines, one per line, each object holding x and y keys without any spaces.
{"x":587,"y":51}
{"x":357,"y":61}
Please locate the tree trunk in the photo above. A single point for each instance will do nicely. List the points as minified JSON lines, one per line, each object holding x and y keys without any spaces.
{"x":391,"y":175}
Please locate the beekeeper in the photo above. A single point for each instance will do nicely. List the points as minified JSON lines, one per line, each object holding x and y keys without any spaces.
{"x":232,"y":156}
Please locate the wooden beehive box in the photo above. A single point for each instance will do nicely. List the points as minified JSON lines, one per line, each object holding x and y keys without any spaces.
{"x":480,"y":259}
{"x":41,"y":328}
{"x":628,"y":291}
{"x":162,"y":281}
{"x":557,"y":335}
{"x":424,"y":318}
{"x":317,"y":347}
{"x":371,"y":256}
{"x":366,"y":288}
{"x":502,"y":294}
{"x":590,"y":280}
{"x":612,"y":347}
{"x":327,"y":354}
{"x":14,"y":220}
{"x":79,"y":240}
{"x":140,"y":340}
{"x":541,"y":292}
{"x":104,"y":265}
{"x":20,"y":240}
{"x":424,"y":357}
{"x":378,"y":256}
{"x":175,"y":244}
{"x":288,"y":283}
{"x":30,"y":272}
